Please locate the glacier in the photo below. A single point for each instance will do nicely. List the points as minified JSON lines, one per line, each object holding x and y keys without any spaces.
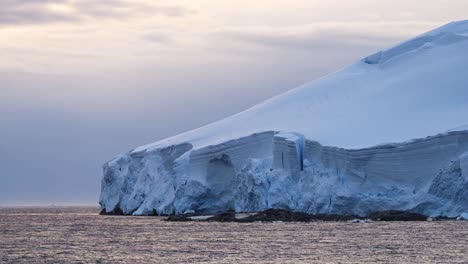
{"x":389,"y":132}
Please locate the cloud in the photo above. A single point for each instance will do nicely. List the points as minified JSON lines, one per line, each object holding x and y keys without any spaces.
{"x":158,"y":37}
{"x":305,"y":42}
{"x":29,"y":11}
{"x":318,"y":37}
{"x":33,"y":12}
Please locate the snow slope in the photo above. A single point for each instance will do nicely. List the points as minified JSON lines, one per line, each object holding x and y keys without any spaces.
{"x":412,"y":90}
{"x":275,"y":154}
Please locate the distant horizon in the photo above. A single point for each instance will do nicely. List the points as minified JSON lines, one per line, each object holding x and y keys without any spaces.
{"x":45,"y":204}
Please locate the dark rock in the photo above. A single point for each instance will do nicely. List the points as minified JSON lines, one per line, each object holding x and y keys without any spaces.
{"x":271,"y":215}
{"x":281,"y":215}
{"x":224,"y":217}
{"x":116,"y":211}
{"x":395,"y":215}
{"x":179,"y":218}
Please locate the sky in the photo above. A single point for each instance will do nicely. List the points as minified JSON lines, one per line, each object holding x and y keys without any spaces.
{"x":84,"y":80}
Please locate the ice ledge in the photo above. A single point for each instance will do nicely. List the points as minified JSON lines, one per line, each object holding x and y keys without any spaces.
{"x":449,"y":34}
{"x":285,"y":170}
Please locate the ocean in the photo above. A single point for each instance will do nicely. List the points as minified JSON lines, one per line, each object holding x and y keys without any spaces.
{"x":81,"y":235}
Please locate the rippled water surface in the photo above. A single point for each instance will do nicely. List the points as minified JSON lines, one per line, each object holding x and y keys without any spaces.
{"x":67,"y":235}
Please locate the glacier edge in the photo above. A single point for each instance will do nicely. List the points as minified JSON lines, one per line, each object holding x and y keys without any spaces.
{"x":285,"y":170}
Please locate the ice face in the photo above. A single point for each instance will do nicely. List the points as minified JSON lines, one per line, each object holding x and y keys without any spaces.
{"x":276,"y":170}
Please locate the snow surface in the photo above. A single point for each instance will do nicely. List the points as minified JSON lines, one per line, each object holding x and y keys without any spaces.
{"x":279,"y":153}
{"x":413,"y":90}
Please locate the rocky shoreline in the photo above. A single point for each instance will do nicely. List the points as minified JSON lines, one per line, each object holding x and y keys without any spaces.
{"x":281,"y":215}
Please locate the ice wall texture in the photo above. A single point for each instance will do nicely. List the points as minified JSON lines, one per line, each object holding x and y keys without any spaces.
{"x":278,"y":153}
{"x":281,"y":170}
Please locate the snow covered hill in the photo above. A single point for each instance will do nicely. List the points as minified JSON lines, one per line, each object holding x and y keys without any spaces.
{"x":321,"y":147}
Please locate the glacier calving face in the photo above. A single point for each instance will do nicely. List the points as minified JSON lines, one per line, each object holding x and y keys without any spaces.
{"x":284,"y":170}
{"x":250,"y":162}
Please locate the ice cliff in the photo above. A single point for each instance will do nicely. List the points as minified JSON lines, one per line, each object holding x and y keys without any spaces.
{"x":321,"y":148}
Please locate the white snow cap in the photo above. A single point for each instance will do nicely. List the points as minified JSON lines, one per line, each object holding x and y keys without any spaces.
{"x":412,"y":90}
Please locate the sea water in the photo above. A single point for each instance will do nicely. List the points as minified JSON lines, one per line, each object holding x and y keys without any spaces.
{"x":81,"y":235}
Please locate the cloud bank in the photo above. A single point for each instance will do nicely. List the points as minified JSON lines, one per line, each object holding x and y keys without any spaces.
{"x":33,"y":12}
